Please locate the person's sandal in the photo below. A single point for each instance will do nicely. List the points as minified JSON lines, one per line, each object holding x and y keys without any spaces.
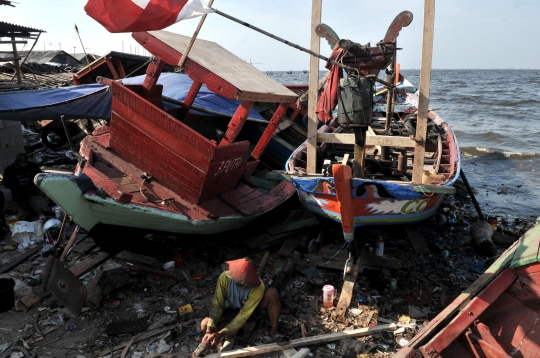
{"x":281,"y":340}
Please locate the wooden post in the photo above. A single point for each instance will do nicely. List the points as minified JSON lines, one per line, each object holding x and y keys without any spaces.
{"x":192,"y":40}
{"x":423,"y":101}
{"x":316,"y":9}
{"x":16,"y":62}
{"x":28,"y":54}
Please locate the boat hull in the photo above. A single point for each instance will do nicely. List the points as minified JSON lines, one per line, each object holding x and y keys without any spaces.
{"x":90,"y":209}
{"x":408,"y":207}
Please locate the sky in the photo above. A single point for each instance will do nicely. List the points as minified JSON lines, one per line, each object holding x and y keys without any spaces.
{"x":469,"y":34}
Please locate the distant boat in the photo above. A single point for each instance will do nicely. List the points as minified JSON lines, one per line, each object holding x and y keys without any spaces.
{"x":269,"y":73}
{"x":305,"y":71}
{"x":289,"y":72}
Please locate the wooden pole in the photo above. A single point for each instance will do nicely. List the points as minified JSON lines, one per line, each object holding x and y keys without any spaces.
{"x":28,"y":54}
{"x":16,"y":62}
{"x":190,"y":44}
{"x":425,"y":79}
{"x":313,"y":93}
{"x":84,"y":50}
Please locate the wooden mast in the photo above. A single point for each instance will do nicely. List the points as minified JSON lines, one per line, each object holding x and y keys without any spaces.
{"x":423,"y":101}
{"x":316,"y":9}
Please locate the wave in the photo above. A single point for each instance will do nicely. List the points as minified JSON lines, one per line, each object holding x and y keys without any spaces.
{"x":482,"y":151}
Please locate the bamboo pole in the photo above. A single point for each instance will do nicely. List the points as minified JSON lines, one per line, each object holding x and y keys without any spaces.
{"x":193,"y":38}
{"x":84,"y":50}
{"x":313,"y":93}
{"x":425,"y":78}
{"x":28,"y":54}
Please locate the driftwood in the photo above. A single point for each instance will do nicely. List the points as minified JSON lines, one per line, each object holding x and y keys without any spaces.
{"x":481,"y":232}
{"x":302,"y":342}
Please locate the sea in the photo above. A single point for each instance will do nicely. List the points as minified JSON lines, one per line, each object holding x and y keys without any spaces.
{"x":495,"y":115}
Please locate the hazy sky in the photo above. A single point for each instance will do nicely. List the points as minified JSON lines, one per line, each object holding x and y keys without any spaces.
{"x":468,"y":33}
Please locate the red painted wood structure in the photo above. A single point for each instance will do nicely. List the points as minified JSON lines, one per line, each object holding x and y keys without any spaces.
{"x":497,"y":316}
{"x":158,"y":168}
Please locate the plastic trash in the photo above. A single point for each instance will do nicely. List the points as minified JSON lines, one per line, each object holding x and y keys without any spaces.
{"x":26,"y":231}
{"x":379,"y":247}
{"x":328,"y":295}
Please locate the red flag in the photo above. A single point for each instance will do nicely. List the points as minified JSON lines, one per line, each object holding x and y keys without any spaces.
{"x":143,"y":15}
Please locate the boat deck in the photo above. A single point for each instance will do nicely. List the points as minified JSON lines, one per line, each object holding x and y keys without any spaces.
{"x":124,"y":182}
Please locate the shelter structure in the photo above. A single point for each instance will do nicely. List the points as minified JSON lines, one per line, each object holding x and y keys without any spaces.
{"x":15,"y":35}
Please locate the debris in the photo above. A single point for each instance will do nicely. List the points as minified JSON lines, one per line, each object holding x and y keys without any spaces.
{"x":186,"y":309}
{"x":482,"y":232}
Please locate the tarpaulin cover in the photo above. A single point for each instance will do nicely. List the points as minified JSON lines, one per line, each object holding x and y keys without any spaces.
{"x":87,"y":101}
{"x":94,"y":101}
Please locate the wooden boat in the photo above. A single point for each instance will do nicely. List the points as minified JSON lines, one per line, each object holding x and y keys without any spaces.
{"x":154,"y":171}
{"x":385,"y":195}
{"x":363,"y":174}
{"x":497,"y":316}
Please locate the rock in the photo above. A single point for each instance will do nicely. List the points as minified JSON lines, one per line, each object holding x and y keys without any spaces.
{"x":481,"y":232}
{"x":504,"y":239}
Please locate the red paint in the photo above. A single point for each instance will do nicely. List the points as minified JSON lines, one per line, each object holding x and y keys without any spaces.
{"x":342,"y":179}
{"x":469,"y":314}
{"x":190,"y":98}
{"x":111,"y":68}
{"x":237,"y":122}
{"x":269,"y":131}
{"x":110,"y":187}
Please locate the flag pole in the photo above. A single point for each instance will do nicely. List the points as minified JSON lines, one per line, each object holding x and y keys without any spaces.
{"x":190,"y":44}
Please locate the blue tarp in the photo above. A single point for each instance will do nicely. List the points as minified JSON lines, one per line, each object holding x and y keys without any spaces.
{"x":94,"y":101}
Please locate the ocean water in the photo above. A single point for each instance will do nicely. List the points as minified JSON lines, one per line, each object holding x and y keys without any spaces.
{"x":495,"y":115}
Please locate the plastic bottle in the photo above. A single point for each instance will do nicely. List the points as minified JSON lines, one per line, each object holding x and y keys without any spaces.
{"x":379,"y":248}
{"x":328,"y":295}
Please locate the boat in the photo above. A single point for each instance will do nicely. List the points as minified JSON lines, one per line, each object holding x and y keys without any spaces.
{"x":152,"y":170}
{"x":364,"y":167}
{"x":496,"y":316}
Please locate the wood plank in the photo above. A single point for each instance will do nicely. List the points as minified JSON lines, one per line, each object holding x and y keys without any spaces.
{"x":302,"y":342}
{"x":347,"y":290}
{"x":289,"y":353}
{"x":417,"y":240}
{"x":143,"y":336}
{"x":313,"y":92}
{"x":294,"y":226}
{"x":434,"y":188}
{"x":70,"y":242}
{"x":301,"y":353}
{"x":425,"y":81}
{"x":348,"y":138}
{"x":227,"y":69}
{"x":20,"y":259}
{"x":464,"y":299}
{"x":262,"y":183}
{"x":290,"y":244}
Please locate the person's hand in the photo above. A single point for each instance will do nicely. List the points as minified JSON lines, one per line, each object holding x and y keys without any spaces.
{"x":212,"y":338}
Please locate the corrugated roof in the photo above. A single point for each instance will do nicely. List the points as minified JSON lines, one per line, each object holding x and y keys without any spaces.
{"x":7,"y":29}
{"x":56,"y":56}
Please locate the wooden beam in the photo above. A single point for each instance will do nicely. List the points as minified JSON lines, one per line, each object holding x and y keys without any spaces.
{"x":70,"y":242}
{"x":301,"y":353}
{"x":382,"y":140}
{"x":20,"y":259}
{"x":423,"y":93}
{"x":27,"y":54}
{"x":347,"y":291}
{"x":313,"y":93}
{"x":16,"y":62}
{"x":434,"y":188}
{"x":237,"y":122}
{"x":302,"y":342}
{"x":417,"y":240}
